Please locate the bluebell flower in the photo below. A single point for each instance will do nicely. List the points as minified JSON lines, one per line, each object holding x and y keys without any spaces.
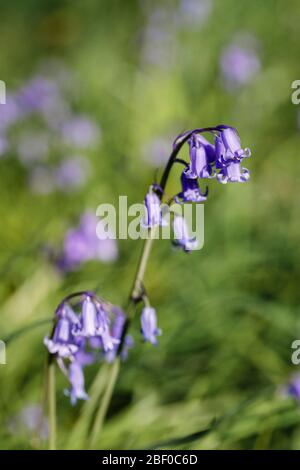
{"x":202,"y":157}
{"x":293,"y":388}
{"x":233,"y":173}
{"x":190,"y":190}
{"x":94,"y":322}
{"x":182,"y":238}
{"x":117,"y":327}
{"x":153,"y":210}
{"x":63,"y":342}
{"x":149,"y":325}
{"x":229,"y":154}
{"x":76,"y":378}
{"x":228,"y":147}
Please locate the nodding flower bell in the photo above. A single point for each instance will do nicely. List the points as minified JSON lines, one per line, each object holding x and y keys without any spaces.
{"x":181,"y":235}
{"x":149,"y":325}
{"x":88,"y":325}
{"x":94,"y":321}
{"x":76,"y":378}
{"x":153,"y":210}
{"x":202,"y":157}
{"x":190,"y":190}
{"x":63,"y":343}
{"x":233,"y":173}
{"x":228,"y":147}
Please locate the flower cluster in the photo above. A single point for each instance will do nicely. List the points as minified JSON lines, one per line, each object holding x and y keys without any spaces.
{"x":37,"y":122}
{"x":86,"y":328}
{"x":220,"y":160}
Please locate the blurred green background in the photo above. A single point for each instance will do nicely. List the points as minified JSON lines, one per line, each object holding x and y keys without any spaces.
{"x":144,"y":71}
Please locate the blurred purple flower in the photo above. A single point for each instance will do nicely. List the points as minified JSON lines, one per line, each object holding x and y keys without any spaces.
{"x":149,"y":325}
{"x":76,"y":379}
{"x":182,"y":238}
{"x":156,"y":152}
{"x":10,"y":112}
{"x":71,"y":173}
{"x":37,"y":94}
{"x":80,"y":131}
{"x":194,"y":13}
{"x":82,"y":244}
{"x":31,"y":420}
{"x":239,"y":63}
{"x":293,"y":388}
{"x":62,"y":342}
{"x":118,"y":323}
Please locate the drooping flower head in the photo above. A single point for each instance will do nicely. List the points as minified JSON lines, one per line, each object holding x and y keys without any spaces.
{"x":153,"y":213}
{"x":229,"y":154}
{"x":202,"y":157}
{"x":228,"y":147}
{"x":76,"y":378}
{"x":63,"y":343}
{"x":190,"y":190}
{"x":82,"y":323}
{"x":149,"y":325}
{"x":182,"y":237}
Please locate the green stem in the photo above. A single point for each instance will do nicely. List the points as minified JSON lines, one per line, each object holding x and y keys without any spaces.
{"x":52,"y":405}
{"x":105,"y":402}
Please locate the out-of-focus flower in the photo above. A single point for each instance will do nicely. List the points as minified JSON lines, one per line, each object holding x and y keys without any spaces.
{"x":193,"y":13}
{"x":149,"y":325}
{"x":63,"y":343}
{"x":190,"y":190}
{"x":117,"y":327}
{"x":94,"y":321}
{"x":181,"y":234}
{"x":159,"y":37}
{"x":10,"y":112}
{"x":37,"y":94}
{"x":76,"y":379}
{"x":30,"y":420}
{"x":293,"y":388}
{"x":202,"y":157}
{"x":156,"y":152}
{"x":239,"y":63}
{"x":82,"y":244}
{"x":80,"y":131}
{"x":71,"y":173}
